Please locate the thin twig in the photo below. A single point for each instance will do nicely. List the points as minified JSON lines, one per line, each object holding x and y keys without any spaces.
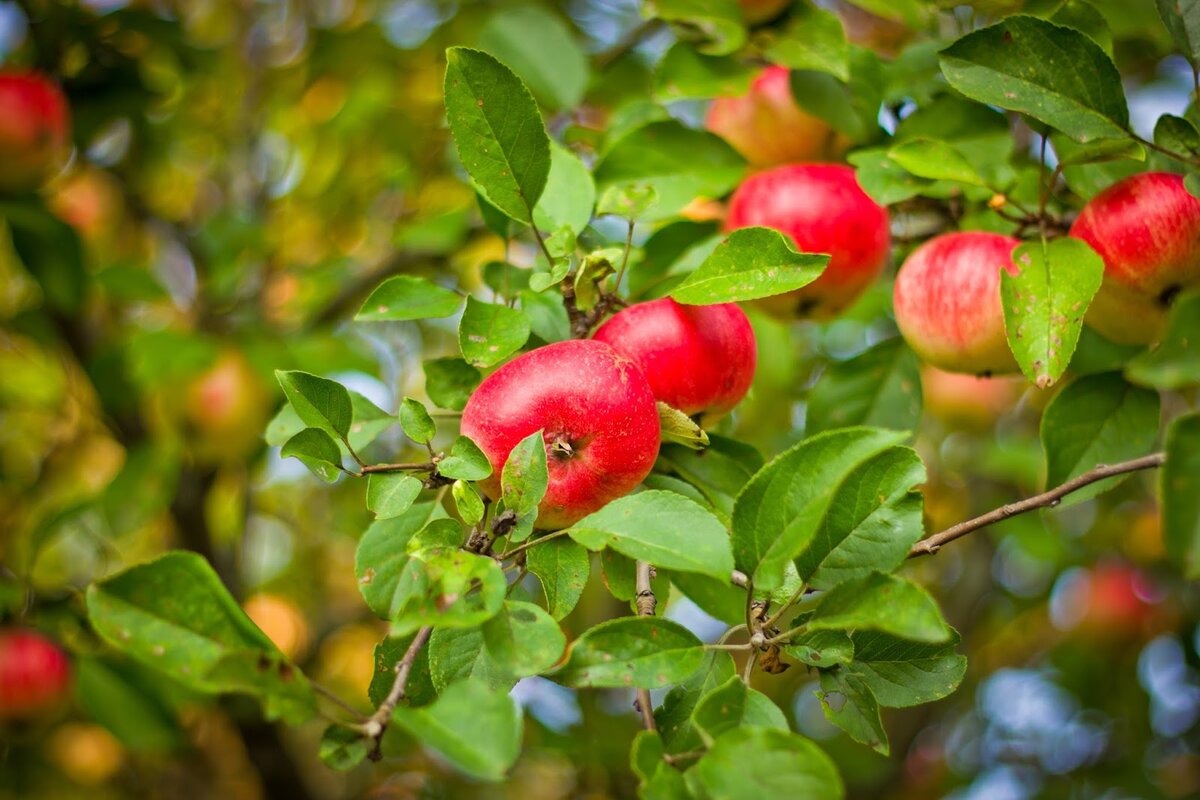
{"x":646,"y":604}
{"x":328,"y":694}
{"x":377,"y":724}
{"x":791,"y":601}
{"x":631,"y":40}
{"x":531,"y":543}
{"x":932,"y":544}
{"x":414,"y":466}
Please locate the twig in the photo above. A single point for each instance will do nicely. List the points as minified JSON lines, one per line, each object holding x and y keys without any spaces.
{"x":531,"y":543}
{"x":1046,"y":499}
{"x":339,"y":702}
{"x":646,"y":604}
{"x":377,"y":724}
{"x":631,"y":40}
{"x":415,"y":466}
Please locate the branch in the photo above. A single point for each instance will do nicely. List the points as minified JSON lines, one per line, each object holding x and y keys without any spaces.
{"x":646,"y":603}
{"x":631,"y":40}
{"x":1046,"y":499}
{"x":377,"y":725}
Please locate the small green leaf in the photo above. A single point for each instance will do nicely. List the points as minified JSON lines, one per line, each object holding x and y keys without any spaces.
{"x":679,"y":428}
{"x":1182,"y":20}
{"x":540,"y":48}
{"x":466,"y":462}
{"x":467,"y":501}
{"x":319,"y":402}
{"x":935,"y":160}
{"x":408,"y":297}
{"x":540,"y":281}
{"x":750,"y":263}
{"x":848,"y":703}
{"x":569,"y":195}
{"x":420,"y":690}
{"x":735,"y":705}
{"x":684,"y":74}
{"x":383,"y":553}
{"x":880,"y":387}
{"x":901,"y":673}
{"x":317,"y":450}
{"x":450,"y":381}
{"x":459,"y":653}
{"x":674,"y":716}
{"x":547,"y":318}
{"x":884,"y":603}
{"x":1175,"y":363}
{"x":416,"y":422}
{"x":883,"y":179}
{"x":850,"y":107}
{"x":714,"y":27}
{"x":764,"y":763}
{"x":343,"y":749}
{"x":390,"y":494}
{"x":523,"y":639}
{"x":632,"y":651}
{"x":629,"y":200}
{"x":812,"y":38}
{"x":524,"y":477}
{"x":446,"y":587}
{"x":1181,"y":495}
{"x":1044,"y":304}
{"x":490,"y":332}
{"x":563,"y":568}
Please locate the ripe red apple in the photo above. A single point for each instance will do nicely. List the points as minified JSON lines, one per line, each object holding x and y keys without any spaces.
{"x":767,"y":127}
{"x":1147,"y":229}
{"x":699,"y":359}
{"x":968,"y":401}
{"x":824,"y":210}
{"x":34,"y":674}
{"x":947,"y":302}
{"x":34,"y":135}
{"x":597,"y":414}
{"x":756,"y":11}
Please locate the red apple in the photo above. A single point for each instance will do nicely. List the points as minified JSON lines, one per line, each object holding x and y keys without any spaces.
{"x":1147,"y":229}
{"x":34,"y":135}
{"x":225,"y":409}
{"x":947,"y":302}
{"x":968,"y":401}
{"x":756,"y":11}
{"x":34,"y":674}
{"x":699,"y":359}
{"x":824,"y":210}
{"x":767,"y":127}
{"x":597,"y":414}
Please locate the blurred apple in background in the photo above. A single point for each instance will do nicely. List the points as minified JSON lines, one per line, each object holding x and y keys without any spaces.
{"x":34,"y":131}
{"x":968,"y":401}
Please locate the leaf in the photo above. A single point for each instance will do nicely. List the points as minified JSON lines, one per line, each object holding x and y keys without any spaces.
{"x":821,"y":648}
{"x":319,"y":402}
{"x":1181,"y":495}
{"x":715,"y":25}
{"x":477,"y":729}
{"x":1056,"y":75}
{"x":685,"y":74}
{"x":408,"y":297}
{"x":369,"y":421}
{"x":1177,"y":134}
{"x":419,"y":690}
{"x":466,"y":500}
{"x":850,"y":107}
{"x":446,"y":587}
{"x":383,"y":553}
{"x":51,"y":251}
{"x":632,"y":651}
{"x":466,"y":462}
{"x":524,"y":477}
{"x":935,"y":160}
{"x":497,"y":130}
{"x":343,"y":749}
{"x":1094,"y":420}
{"x":761,"y":762}
{"x":122,"y":697}
{"x":901,"y":673}
{"x":717,"y":598}
{"x":317,"y":450}
{"x":678,"y":163}
{"x":390,"y":494}
{"x":674,"y":717}
{"x":541,"y":50}
{"x":1044,"y":304}
{"x":883,"y":179}
{"x":547,"y":318}
{"x":416,"y":422}
{"x":880,"y":387}
{"x":490,"y":332}
{"x":884,"y":603}
{"x":540,"y":281}
{"x":811,"y":39}
{"x":1097,"y":151}
{"x":1175,"y":363}
{"x":459,"y":653}
{"x":174,"y":615}
{"x":450,"y":381}
{"x":569,"y":195}
{"x":629,"y":200}
{"x":563,"y":567}
{"x":750,"y":263}
{"x":779,"y":510}
{"x":1182,"y":20}
{"x":848,"y":703}
{"x":678,"y":428}
{"x":735,"y":705}
{"x":666,"y":529}
{"x":523,"y":639}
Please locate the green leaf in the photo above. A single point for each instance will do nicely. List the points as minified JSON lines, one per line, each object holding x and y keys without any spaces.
{"x":812,"y":39}
{"x":523,"y":639}
{"x":569,"y":195}
{"x":420,"y":690}
{"x":733,"y":704}
{"x":498,"y":131}
{"x":1181,"y":495}
{"x":466,"y":462}
{"x":319,"y":402}
{"x":884,"y":603}
{"x":678,"y":163}
{"x":490,"y":332}
{"x":450,"y":381}
{"x":850,"y":107}
{"x":1097,"y":151}
{"x":317,"y":450}
{"x":459,"y":653}
{"x":416,"y":422}
{"x":390,"y":494}
{"x":541,"y":50}
{"x":1045,"y":302}
{"x":883,"y":179}
{"x":1056,"y":75}
{"x":632,"y":651}
{"x":343,"y":749}
{"x":780,"y":509}
{"x":445,"y":587}
{"x":674,"y":717}
{"x":467,"y":501}
{"x":678,"y":428}
{"x":821,"y":648}
{"x":1177,"y":135}
{"x":524,"y":478}
{"x":477,"y":729}
{"x":51,"y":251}
{"x":628,"y":200}
{"x":369,"y":420}
{"x":848,"y":703}
{"x":1182,"y":20}
{"x":1175,"y":363}
{"x":684,"y":74}
{"x":663,"y":528}
{"x":547,"y":318}
{"x":383,"y":553}
{"x":563,"y":568}
{"x":750,"y":263}
{"x":122,"y":698}
{"x":540,"y":281}
{"x":1097,"y":419}
{"x":408,"y":297}
{"x":174,"y":615}
{"x":880,"y":387}
{"x":714,"y":26}
{"x":766,"y":763}
{"x":935,"y":160}
{"x":902,"y":673}
{"x":717,"y":598}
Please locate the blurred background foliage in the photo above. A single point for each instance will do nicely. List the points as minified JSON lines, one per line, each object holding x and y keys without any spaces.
{"x":244,"y":172}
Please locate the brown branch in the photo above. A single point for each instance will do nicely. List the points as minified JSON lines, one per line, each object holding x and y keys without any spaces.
{"x":378,"y":722}
{"x":1046,"y":499}
{"x":646,"y":604}
{"x":427,"y":466}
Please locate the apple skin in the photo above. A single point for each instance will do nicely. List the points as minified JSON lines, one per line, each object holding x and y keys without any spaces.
{"x":1147,"y":229}
{"x":968,"y":401}
{"x":34,"y":674}
{"x":34,"y":131}
{"x":598,"y":415}
{"x":824,"y":210}
{"x":947,"y":302}
{"x":767,"y":127}
{"x":699,"y":359}
{"x":225,"y":409}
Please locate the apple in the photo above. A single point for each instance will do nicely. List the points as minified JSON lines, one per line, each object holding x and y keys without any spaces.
{"x":968,"y":401}
{"x":699,"y":359}
{"x":34,"y":674}
{"x":756,"y":11}
{"x":824,"y":210}
{"x":281,"y":620}
{"x":34,"y":130}
{"x":947,"y":302}
{"x":1111,"y":601}
{"x":597,"y":414}
{"x":1147,"y":229}
{"x":225,"y":409}
{"x":885,"y":36}
{"x":767,"y":127}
